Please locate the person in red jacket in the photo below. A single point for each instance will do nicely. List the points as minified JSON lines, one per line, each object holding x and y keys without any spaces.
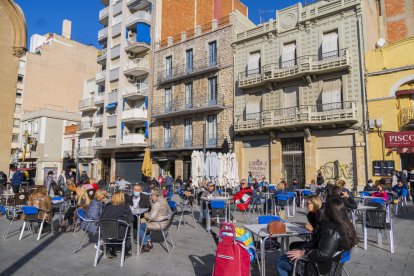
{"x":244,"y":196}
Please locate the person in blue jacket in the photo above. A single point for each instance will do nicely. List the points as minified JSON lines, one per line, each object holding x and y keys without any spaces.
{"x":400,"y":189}
{"x":16,"y":180}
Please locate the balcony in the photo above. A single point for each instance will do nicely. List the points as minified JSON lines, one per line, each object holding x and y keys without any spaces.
{"x":183,"y":71}
{"x":100,"y":77}
{"x":113,"y":97}
{"x":99,"y":98}
{"x":86,"y":127}
{"x":135,"y":91}
{"x":135,"y":139}
{"x":102,"y":34}
{"x":179,"y":107}
{"x":112,"y":121}
{"x":29,"y":155}
{"x":117,"y":7}
{"x":294,"y":69}
{"x":139,"y":16}
{"x":406,"y":117}
{"x":101,"y":57}
{"x":86,"y":152}
{"x":134,"y":115}
{"x":135,"y":5}
{"x":97,"y":142}
{"x":178,"y":143}
{"x":135,"y":46}
{"x":97,"y":120}
{"x":137,"y":67}
{"x":87,"y":105}
{"x":103,"y":16}
{"x":329,"y":115}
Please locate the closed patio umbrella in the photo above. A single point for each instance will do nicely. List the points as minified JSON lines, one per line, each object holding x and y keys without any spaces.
{"x":194,"y":164}
{"x":213,"y":165}
{"x":207,"y":165}
{"x":200,"y":164}
{"x":147,"y":164}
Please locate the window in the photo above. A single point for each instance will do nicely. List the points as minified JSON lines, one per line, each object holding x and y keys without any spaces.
{"x":16,"y":123}
{"x":212,"y":91}
{"x":330,"y":45}
{"x":116,"y":19}
{"x":19,"y":93}
{"x":167,"y":134}
{"x":290,"y":97}
{"x":189,"y":60}
{"x":189,"y":95}
{"x":331,"y":95}
{"x":168,"y":95}
{"x":20,"y":78}
{"x":188,"y":132}
{"x":17,"y":108}
{"x":253,"y":66}
{"x":212,"y":130}
{"x":289,"y":55}
{"x":15,"y":138}
{"x":168,"y":67}
{"x":253,"y":107}
{"x":212,"y":53}
{"x":36,"y":126}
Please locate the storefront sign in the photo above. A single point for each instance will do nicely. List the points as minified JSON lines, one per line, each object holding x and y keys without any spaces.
{"x":399,"y":139}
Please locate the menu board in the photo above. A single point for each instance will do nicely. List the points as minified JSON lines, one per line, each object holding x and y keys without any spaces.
{"x":383,"y":168}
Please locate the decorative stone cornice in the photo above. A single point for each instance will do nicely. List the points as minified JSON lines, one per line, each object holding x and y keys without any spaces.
{"x":19,"y":51}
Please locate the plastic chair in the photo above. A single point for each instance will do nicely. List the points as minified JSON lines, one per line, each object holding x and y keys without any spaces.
{"x":216,"y":206}
{"x":346,"y":257}
{"x":112,"y":232}
{"x":338,"y":269}
{"x":257,"y":203}
{"x":402,"y":200}
{"x":185,"y":205}
{"x":170,"y":195}
{"x":81,"y":217}
{"x":164,"y":231}
{"x":219,"y":191}
{"x":304,"y":194}
{"x":11,"y":213}
{"x":31,"y":215}
{"x":377,"y":219}
{"x":21,"y":198}
{"x":363,"y":194}
{"x":281,"y":200}
{"x":267,"y":219}
{"x":292,"y":198}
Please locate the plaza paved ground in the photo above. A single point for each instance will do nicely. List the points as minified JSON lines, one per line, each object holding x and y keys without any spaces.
{"x":193,"y":255}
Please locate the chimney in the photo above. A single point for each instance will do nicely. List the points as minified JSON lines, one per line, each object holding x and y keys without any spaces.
{"x":66,"y":28}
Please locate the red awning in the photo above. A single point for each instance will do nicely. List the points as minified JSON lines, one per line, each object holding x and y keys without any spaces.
{"x":404,"y":92}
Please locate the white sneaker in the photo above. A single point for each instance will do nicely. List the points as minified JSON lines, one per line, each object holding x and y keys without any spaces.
{"x":95,"y":246}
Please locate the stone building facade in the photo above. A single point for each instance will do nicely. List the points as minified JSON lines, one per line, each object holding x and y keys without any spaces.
{"x":299,"y":94}
{"x":192,"y":104}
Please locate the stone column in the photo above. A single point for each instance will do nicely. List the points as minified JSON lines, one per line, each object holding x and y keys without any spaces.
{"x":359,"y":163}
{"x":113,"y":167}
{"x":179,"y":166}
{"x":238,"y":150}
{"x":155,"y":169}
{"x":310,"y":158}
{"x":275,"y":158}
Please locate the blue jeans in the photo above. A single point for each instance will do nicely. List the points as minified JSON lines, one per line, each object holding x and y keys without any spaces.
{"x":170,"y":188}
{"x":145,"y":238}
{"x":283,"y":266}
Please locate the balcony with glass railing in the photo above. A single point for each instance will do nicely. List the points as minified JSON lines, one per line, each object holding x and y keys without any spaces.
{"x":329,"y":114}
{"x":134,"y":115}
{"x":135,"y":5}
{"x":100,"y":77}
{"x":99,"y":98}
{"x":183,"y":71}
{"x":97,"y":120}
{"x":139,"y":16}
{"x":103,"y":34}
{"x":135,"y":91}
{"x":137,"y":67}
{"x":101,"y":57}
{"x":103,"y":16}
{"x":86,"y":152}
{"x":86,"y":127}
{"x":87,"y":105}
{"x":296,"y":68}
{"x":134,"y":139}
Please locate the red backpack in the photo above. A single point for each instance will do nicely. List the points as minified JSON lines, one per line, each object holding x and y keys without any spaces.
{"x":231,"y":257}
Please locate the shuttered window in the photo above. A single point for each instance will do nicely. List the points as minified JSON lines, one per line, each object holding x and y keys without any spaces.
{"x":253,"y":107}
{"x":289,"y":55}
{"x":253,"y":66}
{"x":332,"y":94}
{"x":330,"y":45}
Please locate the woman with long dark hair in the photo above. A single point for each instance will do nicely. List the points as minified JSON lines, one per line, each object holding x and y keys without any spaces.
{"x":336,"y":235}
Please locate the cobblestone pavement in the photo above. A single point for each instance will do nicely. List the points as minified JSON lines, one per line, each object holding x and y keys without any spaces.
{"x":193,"y":255}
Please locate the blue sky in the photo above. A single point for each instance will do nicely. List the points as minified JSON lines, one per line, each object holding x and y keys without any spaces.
{"x":46,"y":16}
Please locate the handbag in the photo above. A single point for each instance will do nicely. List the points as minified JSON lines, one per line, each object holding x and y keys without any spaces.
{"x":276,"y":227}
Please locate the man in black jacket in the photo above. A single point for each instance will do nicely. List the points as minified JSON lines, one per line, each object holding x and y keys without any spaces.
{"x":348,"y":201}
{"x":138,"y":199}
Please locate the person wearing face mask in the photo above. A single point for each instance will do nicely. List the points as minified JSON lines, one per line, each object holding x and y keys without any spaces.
{"x":369,"y":187}
{"x":138,"y":199}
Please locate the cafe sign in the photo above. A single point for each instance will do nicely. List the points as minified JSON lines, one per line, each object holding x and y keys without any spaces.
{"x":399,"y":139}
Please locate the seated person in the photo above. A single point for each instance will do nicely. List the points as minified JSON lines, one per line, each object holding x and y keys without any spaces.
{"x":210,"y":192}
{"x":294,"y":186}
{"x":280,"y":189}
{"x":336,"y":234}
{"x":244,"y":196}
{"x":159,"y":212}
{"x":138,"y":199}
{"x":348,"y":201}
{"x":381,"y":193}
{"x":254,"y":185}
{"x":399,"y":189}
{"x":94,"y":210}
{"x":118,"y":209}
{"x":41,"y":200}
{"x":370,"y":186}
{"x":342,"y":184}
{"x":82,"y":201}
{"x":313,"y":186}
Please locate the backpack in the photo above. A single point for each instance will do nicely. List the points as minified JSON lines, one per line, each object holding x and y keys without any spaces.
{"x":232,"y":259}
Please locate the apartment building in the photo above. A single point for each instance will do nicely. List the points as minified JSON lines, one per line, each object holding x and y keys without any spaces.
{"x":298,"y":101}
{"x":12,"y":48}
{"x":192,"y":104}
{"x":41,"y":140}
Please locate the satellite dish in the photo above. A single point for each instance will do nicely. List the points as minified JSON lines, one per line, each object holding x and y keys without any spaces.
{"x":380,"y":43}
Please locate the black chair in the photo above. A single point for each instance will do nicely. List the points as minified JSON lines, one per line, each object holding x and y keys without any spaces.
{"x":21,"y":198}
{"x":91,"y":193}
{"x":164,"y":230}
{"x":341,"y":258}
{"x":112,"y":232}
{"x":377,"y":219}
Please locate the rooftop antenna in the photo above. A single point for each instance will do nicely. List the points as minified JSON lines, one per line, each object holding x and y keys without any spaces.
{"x":261,"y":12}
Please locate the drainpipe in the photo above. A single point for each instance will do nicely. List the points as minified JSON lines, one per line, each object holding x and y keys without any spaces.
{"x":360,"y":33}
{"x":154,"y":18}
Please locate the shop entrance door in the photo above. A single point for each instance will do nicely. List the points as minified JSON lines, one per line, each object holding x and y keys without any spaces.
{"x":293,"y":160}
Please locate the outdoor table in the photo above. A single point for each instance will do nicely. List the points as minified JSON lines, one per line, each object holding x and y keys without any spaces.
{"x":7,"y":194}
{"x":260,"y":230}
{"x":222,"y":198}
{"x":138,"y":212}
{"x":300,"y":195}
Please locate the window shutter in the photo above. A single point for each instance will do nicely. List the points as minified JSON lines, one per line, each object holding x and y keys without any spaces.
{"x":289,"y":55}
{"x":330,"y":45}
{"x":253,"y":66}
{"x":290,"y":97}
{"x":253,"y":107}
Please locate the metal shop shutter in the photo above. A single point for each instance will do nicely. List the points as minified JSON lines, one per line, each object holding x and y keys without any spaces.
{"x":130,"y":170}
